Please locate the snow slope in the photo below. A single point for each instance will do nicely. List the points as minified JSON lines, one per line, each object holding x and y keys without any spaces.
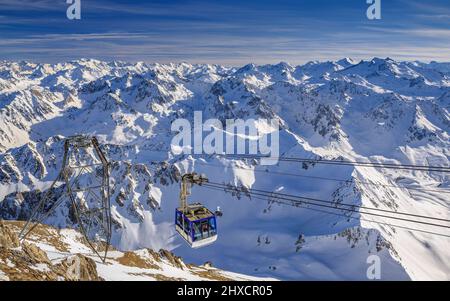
{"x":379,"y":110}
{"x":50,"y":254}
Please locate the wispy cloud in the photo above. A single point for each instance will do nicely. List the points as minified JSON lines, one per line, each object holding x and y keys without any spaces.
{"x":231,"y":32}
{"x":208,"y":49}
{"x":434,"y":33}
{"x":32,"y":5}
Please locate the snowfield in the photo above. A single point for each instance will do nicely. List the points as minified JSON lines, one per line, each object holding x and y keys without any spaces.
{"x":379,"y":110}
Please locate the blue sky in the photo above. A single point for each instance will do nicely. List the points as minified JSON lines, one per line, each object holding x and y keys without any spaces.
{"x":228,"y":32}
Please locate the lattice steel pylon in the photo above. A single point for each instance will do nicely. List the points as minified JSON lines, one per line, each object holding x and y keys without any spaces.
{"x":84,"y":172}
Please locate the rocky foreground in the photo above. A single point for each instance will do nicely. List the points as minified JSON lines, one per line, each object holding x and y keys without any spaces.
{"x":52,"y":254}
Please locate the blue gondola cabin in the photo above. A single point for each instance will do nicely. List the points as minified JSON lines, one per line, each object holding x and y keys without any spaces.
{"x":196,"y":224}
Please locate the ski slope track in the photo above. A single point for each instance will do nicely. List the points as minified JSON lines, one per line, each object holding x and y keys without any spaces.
{"x":377,"y":110}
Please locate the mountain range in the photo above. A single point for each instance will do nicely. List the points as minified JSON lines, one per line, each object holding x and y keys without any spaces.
{"x":377,"y":110}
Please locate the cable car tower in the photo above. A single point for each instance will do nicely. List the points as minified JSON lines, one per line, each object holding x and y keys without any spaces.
{"x":84,"y":181}
{"x":195,"y":223}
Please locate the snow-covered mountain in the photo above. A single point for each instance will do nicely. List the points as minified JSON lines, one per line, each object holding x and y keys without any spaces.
{"x":379,"y":110}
